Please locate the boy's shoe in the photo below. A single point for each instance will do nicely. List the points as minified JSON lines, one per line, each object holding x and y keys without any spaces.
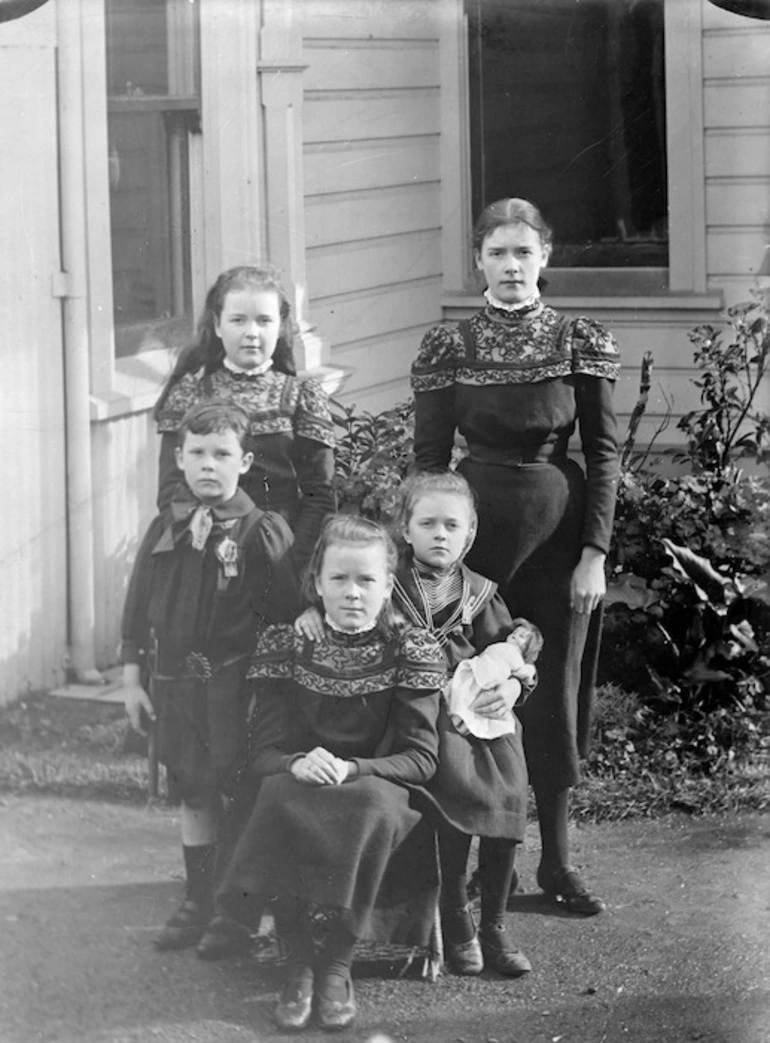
{"x":292,"y":1012}
{"x":499,"y":953}
{"x":565,"y":886}
{"x":336,"y":1003}
{"x":223,"y":937}
{"x":185,"y":928}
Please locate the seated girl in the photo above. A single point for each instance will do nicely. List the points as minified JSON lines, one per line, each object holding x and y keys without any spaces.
{"x":344,"y":739}
{"x":480,"y":785}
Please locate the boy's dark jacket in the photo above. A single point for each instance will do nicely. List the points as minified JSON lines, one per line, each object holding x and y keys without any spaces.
{"x":181,"y":601}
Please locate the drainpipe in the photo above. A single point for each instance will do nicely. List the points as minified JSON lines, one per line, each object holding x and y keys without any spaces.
{"x":76,"y":345}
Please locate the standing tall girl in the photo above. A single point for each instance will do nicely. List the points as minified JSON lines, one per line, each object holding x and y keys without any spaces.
{"x":243,"y":354}
{"x":344,"y":740}
{"x":516,"y":380}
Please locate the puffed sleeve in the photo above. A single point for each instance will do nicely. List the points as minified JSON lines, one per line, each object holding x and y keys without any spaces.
{"x":183,"y":395}
{"x":596,"y":364}
{"x":410,"y":747}
{"x":433,"y":385}
{"x":270,"y":729}
{"x":277,"y":598}
{"x":134,"y":628}
{"x":313,"y":458}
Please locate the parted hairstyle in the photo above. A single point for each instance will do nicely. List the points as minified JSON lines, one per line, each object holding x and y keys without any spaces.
{"x":424,"y":483}
{"x":510,"y":212}
{"x":212,"y":416}
{"x":207,"y":350}
{"x":341,"y":529}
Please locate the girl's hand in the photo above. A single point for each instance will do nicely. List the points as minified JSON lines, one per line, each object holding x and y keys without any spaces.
{"x":509,"y":691}
{"x":496,"y":702}
{"x":310,"y":624}
{"x":135,"y":699}
{"x":320,"y":768}
{"x":588,"y":585}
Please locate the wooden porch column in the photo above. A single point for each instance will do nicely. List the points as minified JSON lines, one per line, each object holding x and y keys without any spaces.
{"x":280,"y":72}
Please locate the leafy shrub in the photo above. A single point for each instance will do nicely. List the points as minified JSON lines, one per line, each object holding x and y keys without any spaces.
{"x":688,"y":622}
{"x":372,"y":456}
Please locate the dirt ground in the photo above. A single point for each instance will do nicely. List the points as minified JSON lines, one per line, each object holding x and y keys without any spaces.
{"x":682,"y":954}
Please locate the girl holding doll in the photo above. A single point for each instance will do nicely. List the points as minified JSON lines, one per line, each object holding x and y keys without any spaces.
{"x":344,"y":740}
{"x":480,"y":784}
{"x":243,"y":354}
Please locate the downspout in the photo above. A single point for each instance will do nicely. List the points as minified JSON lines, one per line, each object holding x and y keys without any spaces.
{"x":80,"y":540}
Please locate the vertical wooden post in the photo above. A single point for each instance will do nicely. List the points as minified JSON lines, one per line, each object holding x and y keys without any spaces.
{"x":280,"y":72}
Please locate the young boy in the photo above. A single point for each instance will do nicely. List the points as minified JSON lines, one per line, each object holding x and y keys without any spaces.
{"x":212,"y":571}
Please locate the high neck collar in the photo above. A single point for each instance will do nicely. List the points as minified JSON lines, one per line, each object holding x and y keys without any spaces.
{"x":239,"y":371}
{"x":532,"y":304}
{"x":351,"y":633}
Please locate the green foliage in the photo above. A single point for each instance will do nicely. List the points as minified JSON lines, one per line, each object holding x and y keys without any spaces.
{"x":371,"y":459}
{"x":733,"y":362}
{"x":688,"y":624}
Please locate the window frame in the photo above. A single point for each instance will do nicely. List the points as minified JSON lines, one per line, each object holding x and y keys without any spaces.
{"x":686,"y":272}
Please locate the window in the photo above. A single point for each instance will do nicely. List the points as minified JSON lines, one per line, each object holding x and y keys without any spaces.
{"x":567,"y":108}
{"x":153,"y":116}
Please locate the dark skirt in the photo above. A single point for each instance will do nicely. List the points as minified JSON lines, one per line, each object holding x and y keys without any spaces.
{"x":361,"y":848}
{"x":200,"y":730}
{"x":529,"y":541}
{"x":481,"y":784}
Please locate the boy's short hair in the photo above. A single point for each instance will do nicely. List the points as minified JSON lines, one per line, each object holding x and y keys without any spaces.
{"x":206,"y":418}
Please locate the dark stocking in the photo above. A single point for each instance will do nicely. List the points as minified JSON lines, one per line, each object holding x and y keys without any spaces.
{"x":456,"y":920}
{"x":292,"y":925}
{"x":336,"y":960}
{"x":199,"y":868}
{"x":553,"y":817}
{"x":496,"y":854}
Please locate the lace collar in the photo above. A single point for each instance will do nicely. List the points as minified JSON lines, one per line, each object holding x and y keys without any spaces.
{"x":531,"y":304}
{"x":239,"y":371}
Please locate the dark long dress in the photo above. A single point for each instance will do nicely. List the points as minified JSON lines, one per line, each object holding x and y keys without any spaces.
{"x":290,"y":434}
{"x":516,"y":387}
{"x":193,"y":629}
{"x":357,"y":847}
{"x":480,"y":784}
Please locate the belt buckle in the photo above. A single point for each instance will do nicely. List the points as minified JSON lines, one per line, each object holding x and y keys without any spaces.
{"x":198,"y":666}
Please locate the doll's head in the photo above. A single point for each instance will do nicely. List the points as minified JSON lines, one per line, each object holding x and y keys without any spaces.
{"x":436,"y":517}
{"x":350,"y":575}
{"x":527,"y":638}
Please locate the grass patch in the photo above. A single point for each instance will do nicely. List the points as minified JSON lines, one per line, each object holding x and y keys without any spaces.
{"x":71,"y":748}
{"x":74,"y":748}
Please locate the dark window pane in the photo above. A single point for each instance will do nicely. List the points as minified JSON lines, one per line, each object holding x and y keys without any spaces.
{"x":568,"y":110}
{"x":152,"y":71}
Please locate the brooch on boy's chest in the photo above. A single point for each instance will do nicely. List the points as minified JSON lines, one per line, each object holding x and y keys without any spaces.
{"x":226,"y":551}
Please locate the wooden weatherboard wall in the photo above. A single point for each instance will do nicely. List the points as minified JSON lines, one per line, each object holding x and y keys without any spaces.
{"x":33,"y":545}
{"x":736,"y":102}
{"x":372,"y":185}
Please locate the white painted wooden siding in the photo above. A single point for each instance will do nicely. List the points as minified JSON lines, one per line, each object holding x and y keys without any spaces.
{"x":372,"y":185}
{"x":736,"y":93}
{"x":125,"y":472}
{"x":33,"y":561}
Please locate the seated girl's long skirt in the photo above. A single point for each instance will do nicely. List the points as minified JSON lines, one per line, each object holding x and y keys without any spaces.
{"x":362,"y":848}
